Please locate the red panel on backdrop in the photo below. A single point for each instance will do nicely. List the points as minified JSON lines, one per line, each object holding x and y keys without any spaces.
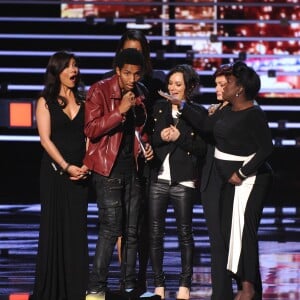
{"x":19,"y":297}
{"x":20,"y":114}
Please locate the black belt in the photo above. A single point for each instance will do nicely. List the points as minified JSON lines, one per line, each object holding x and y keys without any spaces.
{"x":165,"y":181}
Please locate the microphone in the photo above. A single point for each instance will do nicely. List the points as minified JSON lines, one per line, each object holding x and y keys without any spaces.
{"x":135,"y":89}
{"x":136,"y":94}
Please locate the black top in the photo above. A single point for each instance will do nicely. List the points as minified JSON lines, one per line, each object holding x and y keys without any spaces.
{"x":186,"y":153}
{"x":67,"y":134}
{"x":239,"y":133}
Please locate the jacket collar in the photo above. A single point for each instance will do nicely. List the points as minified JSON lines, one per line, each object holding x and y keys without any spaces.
{"x":115,"y":88}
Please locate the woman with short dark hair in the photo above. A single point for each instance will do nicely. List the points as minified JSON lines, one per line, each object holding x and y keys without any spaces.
{"x":179,"y":150}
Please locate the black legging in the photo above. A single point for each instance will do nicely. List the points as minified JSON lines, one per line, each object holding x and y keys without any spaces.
{"x":182,"y":199}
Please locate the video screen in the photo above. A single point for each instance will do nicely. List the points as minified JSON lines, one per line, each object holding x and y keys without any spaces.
{"x":265,"y":34}
{"x":273,"y":45}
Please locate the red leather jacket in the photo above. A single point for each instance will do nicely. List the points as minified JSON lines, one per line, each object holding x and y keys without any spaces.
{"x":102,"y":117}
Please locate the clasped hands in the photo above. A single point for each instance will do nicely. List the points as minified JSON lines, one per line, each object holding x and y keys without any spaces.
{"x":170,"y":134}
{"x":78,"y":173}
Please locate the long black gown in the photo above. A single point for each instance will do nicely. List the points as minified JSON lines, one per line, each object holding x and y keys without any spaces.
{"x":62,"y":261}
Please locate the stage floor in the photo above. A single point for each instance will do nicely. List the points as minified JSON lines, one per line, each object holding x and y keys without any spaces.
{"x":279,"y":252}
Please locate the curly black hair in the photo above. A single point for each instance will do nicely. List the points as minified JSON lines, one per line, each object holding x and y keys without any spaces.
{"x":247,"y":78}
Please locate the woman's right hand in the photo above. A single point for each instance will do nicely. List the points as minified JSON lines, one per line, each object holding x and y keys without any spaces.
{"x":165,"y":134}
{"x":212,"y":108}
{"x":170,"y":134}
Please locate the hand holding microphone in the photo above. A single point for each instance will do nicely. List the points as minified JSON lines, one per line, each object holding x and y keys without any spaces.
{"x":128,"y":101}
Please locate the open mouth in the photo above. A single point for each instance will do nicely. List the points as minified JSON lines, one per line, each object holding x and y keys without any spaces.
{"x":175,"y":95}
{"x":73,"y":78}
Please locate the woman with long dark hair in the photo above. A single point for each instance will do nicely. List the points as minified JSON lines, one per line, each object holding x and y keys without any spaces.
{"x":62,"y":259}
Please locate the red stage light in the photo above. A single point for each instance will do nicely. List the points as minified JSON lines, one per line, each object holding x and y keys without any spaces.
{"x":22,"y":296}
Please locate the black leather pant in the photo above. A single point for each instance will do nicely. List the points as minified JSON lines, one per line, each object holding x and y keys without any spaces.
{"x":182,"y":199}
{"x":118,"y":202}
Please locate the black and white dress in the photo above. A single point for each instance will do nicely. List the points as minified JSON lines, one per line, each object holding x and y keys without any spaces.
{"x":243,"y":142}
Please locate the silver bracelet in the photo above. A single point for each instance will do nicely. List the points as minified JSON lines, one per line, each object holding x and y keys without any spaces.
{"x":241,"y":173}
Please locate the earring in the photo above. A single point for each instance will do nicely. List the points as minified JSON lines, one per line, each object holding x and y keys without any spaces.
{"x":237,"y":94}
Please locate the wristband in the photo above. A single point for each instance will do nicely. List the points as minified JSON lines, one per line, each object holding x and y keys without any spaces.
{"x":65,"y":170}
{"x":241,"y":174}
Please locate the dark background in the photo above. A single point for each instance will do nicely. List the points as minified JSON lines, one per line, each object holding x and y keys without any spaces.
{"x":20,"y":161}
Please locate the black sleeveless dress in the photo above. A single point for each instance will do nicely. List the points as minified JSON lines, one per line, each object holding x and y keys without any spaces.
{"x":62,"y":261}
